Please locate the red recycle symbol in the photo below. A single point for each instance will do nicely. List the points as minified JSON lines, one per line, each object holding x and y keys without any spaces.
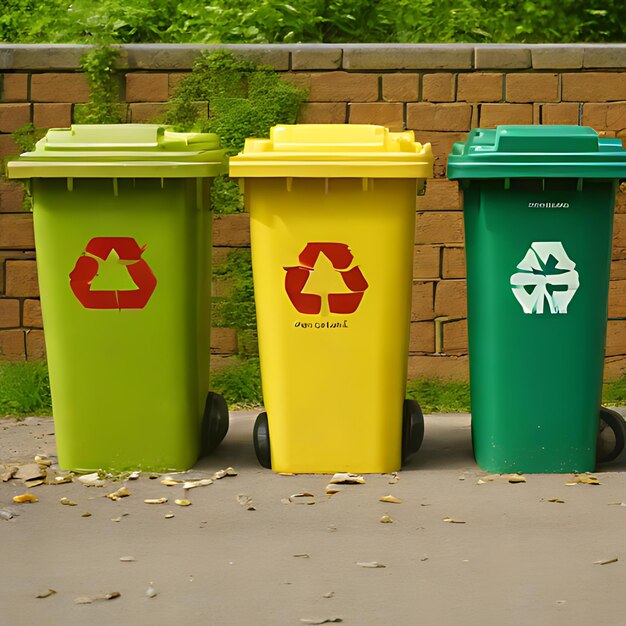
{"x":86,"y":269}
{"x":341,"y":258}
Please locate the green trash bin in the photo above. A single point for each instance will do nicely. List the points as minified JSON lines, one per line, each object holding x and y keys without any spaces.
{"x":538,"y":205}
{"x":123,"y":236}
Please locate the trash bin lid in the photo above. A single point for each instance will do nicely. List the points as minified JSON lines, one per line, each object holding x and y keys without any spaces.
{"x":121,"y":151}
{"x":334,"y":151}
{"x":537,"y":152}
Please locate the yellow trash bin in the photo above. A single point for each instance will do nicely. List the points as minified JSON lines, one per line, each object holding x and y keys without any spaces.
{"x":332,"y":218}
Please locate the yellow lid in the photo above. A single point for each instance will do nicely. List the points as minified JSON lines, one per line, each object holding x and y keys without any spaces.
{"x":334,"y":151}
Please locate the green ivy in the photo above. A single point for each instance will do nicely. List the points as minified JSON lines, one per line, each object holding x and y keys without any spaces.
{"x":236,"y":99}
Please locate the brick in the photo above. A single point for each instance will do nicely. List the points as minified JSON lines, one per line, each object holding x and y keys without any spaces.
{"x":56,"y":115}
{"x":9,"y":313}
{"x":218,"y":255}
{"x":389,"y":114}
{"x":557,"y":57}
{"x":426,"y":261}
{"x":400,"y":87}
{"x":343,"y":87}
{"x":422,"y":301}
{"x":453,"y":263}
{"x":231,"y":230}
{"x":141,"y":112}
{"x":438,"y":87}
{"x":174,"y":80}
{"x":316,"y":57}
{"x":441,"y":195}
{"x":618,"y":269}
{"x":562,"y":113}
{"x":619,"y":230}
{"x":8,"y":147}
{"x":614,"y":368}
{"x":441,"y":145}
{"x":422,"y":337}
{"x":299,"y":79}
{"x":442,"y":117}
{"x":450,"y":298}
{"x":12,"y":345}
{"x":61,"y":87}
{"x":35,"y":345}
{"x":408,"y":57}
{"x":219,"y":362}
{"x":532,"y":88}
{"x":5,"y":255}
{"x":617,"y":298}
{"x":501,"y":57}
{"x":13,"y":116}
{"x":148,"y":87}
{"x":594,"y":86}
{"x":455,"y":337}
{"x":604,"y":56}
{"x":436,"y":366}
{"x":31,"y":314}
{"x":616,"y":338}
{"x":11,"y":197}
{"x":439,"y":227}
{"x":494,"y":114}
{"x":479,"y":87}
{"x":322,"y":113}
{"x":605,"y":116}
{"x":223,"y":341}
{"x":14,"y":87}
{"x":16,"y":231}
{"x":21,"y":279}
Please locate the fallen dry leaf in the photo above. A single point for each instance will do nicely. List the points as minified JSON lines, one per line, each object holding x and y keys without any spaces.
{"x":344,"y":478}
{"x":453,"y":521}
{"x":151,"y":592}
{"x":286,"y":474}
{"x":122,"y":492}
{"x":86,"y":514}
{"x":170,"y":482}
{"x":127,"y":559}
{"x":617,"y":503}
{"x":329,"y":594}
{"x":302,"y":555}
{"x":557,"y":500}
{"x":30,"y":471}
{"x":9,"y":474}
{"x":91,"y":480}
{"x":584,"y":479}
{"x":516,"y":478}
{"x":134,"y":475}
{"x":25,"y":498}
{"x":67,"y":502}
{"x":169,"y":515}
{"x":155,"y":501}
{"x":321,"y":620}
{"x":229,"y":471}
{"x":370,"y":564}
{"x":91,"y":599}
{"x":119,"y":519}
{"x":62,"y":480}
{"x":386,"y":519}
{"x":46,"y":594}
{"x":606,"y":561}
{"x":394,"y":479}
{"x":41,"y":459}
{"x":331,"y":490}
{"x":391,"y":499}
{"x":182,"y":502}
{"x":246,"y":502}
{"x":192,"y":484}
{"x":302,"y":498}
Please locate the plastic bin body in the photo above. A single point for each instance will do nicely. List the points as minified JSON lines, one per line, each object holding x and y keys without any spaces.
{"x":128,"y":372}
{"x":538,"y":250}
{"x":332,"y":256}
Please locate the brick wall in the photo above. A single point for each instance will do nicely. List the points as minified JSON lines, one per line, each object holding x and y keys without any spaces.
{"x":439,"y":91}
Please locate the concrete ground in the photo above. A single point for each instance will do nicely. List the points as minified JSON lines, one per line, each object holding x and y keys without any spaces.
{"x":516,"y":559}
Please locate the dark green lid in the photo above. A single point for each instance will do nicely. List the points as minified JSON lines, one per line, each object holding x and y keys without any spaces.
{"x":537,"y":152}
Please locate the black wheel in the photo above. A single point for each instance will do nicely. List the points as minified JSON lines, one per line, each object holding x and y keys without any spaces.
{"x":412,"y":428}
{"x":609,"y":448}
{"x":261,"y":436}
{"x":215,"y":422}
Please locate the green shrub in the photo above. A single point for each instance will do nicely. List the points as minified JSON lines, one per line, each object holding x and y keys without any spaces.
{"x":240,"y":383}
{"x":24,"y":389}
{"x":439,"y":396}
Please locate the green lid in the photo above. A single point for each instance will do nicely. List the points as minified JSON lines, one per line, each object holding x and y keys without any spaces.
{"x":121,"y":151}
{"x":537,"y":152}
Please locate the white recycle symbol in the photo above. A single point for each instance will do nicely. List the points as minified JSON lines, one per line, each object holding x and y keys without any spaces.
{"x":546,"y":274}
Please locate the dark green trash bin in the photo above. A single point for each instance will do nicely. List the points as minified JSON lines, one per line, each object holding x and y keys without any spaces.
{"x":538,"y":203}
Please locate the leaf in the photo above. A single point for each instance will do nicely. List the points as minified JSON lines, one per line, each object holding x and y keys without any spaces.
{"x":329,"y":594}
{"x":246,"y":502}
{"x":516,"y":478}
{"x":449,"y":520}
{"x":557,"y":501}
{"x":386,"y":519}
{"x":182,"y":502}
{"x":67,"y":502}
{"x":30,"y":471}
{"x":394,"y":479}
{"x":86,"y":514}
{"x":91,"y":480}
{"x":286,"y":474}
{"x":169,"y":515}
{"x":151,"y":592}
{"x":302,"y":498}
{"x":331,"y":490}
{"x":90,"y":599}
{"x":155,"y":501}
{"x":371,"y":564}
{"x":321,"y":620}
{"x":122,"y":492}
{"x":134,"y":475}
{"x":127,"y":559}
{"x":9,"y":474}
{"x":168,"y":482}
{"x":25,"y":498}
{"x":606,"y":561}
{"x":62,"y":480}
{"x":302,"y":555}
{"x":343,"y":478}
{"x":192,"y":484}
{"x":391,"y":499}
{"x":46,"y":594}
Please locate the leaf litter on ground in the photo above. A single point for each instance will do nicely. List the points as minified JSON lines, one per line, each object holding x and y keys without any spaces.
{"x":345,"y":478}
